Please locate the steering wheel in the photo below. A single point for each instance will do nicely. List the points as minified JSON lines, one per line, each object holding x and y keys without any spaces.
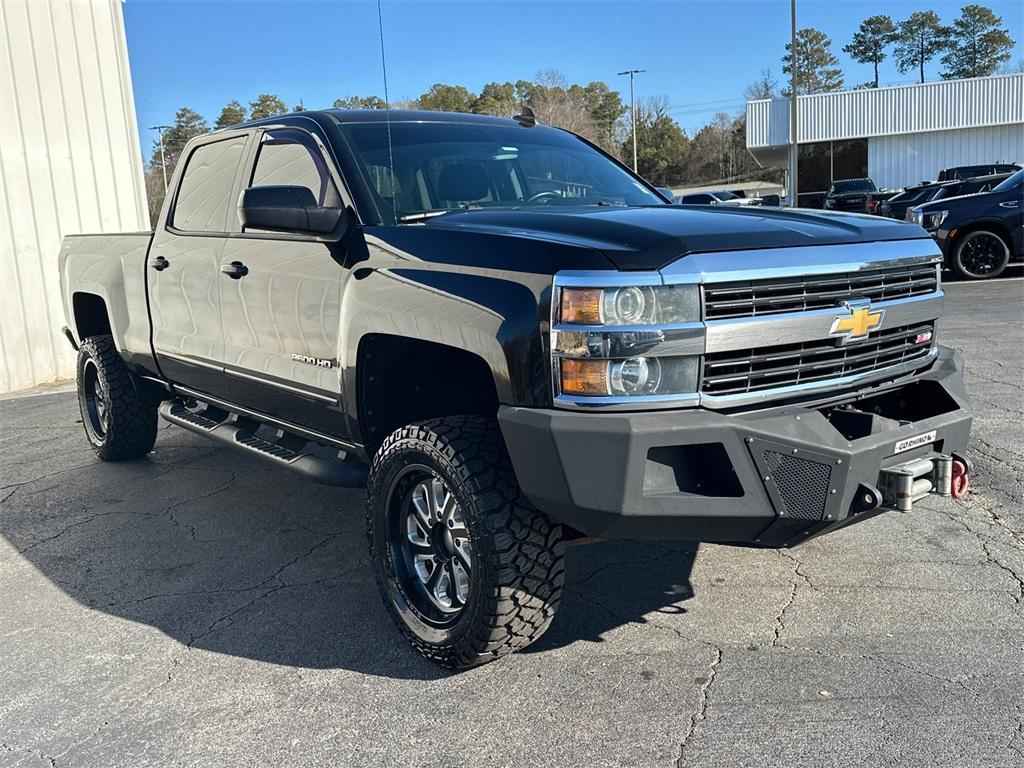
{"x":546,"y":195}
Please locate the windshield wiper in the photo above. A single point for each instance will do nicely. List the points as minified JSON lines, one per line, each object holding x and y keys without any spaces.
{"x":422,"y":216}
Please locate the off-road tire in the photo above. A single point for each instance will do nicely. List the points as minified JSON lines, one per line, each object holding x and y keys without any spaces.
{"x":518,"y":554}
{"x":131,"y":413}
{"x":992,"y":239}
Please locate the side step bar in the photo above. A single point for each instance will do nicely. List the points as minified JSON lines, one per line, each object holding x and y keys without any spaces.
{"x":285,"y":450}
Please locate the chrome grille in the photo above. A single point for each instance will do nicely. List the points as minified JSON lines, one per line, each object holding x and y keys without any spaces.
{"x":770,"y":297}
{"x":755,"y":370}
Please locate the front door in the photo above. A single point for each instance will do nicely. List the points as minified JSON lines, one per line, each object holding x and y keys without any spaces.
{"x":184,"y":266}
{"x":281,"y":307}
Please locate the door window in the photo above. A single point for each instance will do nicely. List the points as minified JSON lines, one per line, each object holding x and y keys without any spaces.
{"x":290,"y":157}
{"x":207,"y":185}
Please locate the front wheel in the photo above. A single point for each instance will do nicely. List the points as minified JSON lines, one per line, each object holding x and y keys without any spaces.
{"x":981,"y":254}
{"x":468,"y":569}
{"x":120,"y":419}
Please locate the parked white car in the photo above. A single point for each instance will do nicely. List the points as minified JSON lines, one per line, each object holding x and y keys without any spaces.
{"x":719,"y":197}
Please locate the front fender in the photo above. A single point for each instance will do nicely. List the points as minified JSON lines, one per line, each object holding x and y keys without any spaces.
{"x":496,"y":316}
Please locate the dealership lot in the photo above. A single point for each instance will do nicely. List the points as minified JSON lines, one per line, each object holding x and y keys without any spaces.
{"x":198,"y":608}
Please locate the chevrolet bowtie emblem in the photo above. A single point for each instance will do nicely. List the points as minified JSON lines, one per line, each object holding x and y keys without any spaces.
{"x":859,"y":321}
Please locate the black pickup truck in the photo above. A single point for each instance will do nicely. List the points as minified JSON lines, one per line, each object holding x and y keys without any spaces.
{"x":516,"y":344}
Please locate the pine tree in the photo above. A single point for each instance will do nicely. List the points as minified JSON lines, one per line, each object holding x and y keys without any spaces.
{"x":360,"y":102}
{"x":978,"y":44}
{"x":920,"y":39}
{"x":871,"y":40}
{"x":817,"y":69}
{"x":266,"y":105}
{"x":232,"y":114}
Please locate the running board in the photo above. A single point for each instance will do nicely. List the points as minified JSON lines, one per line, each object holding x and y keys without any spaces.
{"x":285,"y":450}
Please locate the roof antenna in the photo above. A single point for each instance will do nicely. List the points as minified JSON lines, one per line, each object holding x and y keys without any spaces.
{"x":526,"y":119}
{"x":387,"y":114}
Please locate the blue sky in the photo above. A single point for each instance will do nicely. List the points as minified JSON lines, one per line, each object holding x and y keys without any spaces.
{"x":699,"y":54}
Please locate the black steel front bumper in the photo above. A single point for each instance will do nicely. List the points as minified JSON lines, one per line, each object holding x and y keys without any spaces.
{"x":766,"y":478}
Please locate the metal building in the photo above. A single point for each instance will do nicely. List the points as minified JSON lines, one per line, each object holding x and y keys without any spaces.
{"x":896,"y":136}
{"x":70,"y":162}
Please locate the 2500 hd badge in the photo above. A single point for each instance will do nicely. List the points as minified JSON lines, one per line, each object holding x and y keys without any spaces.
{"x":516,"y":343}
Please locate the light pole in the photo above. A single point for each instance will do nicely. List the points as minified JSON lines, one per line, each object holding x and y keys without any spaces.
{"x":793,"y":144}
{"x":632,"y":108}
{"x":163,"y":161}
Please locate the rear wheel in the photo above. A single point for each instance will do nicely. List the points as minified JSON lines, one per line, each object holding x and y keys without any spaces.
{"x":981,"y":254}
{"x":468,"y":569}
{"x":120,"y":419}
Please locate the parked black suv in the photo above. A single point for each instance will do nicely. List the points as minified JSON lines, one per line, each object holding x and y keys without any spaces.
{"x":849,"y":195}
{"x":979,"y":234}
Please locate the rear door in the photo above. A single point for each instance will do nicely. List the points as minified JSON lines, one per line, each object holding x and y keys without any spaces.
{"x":184,"y":264}
{"x":282,"y":318}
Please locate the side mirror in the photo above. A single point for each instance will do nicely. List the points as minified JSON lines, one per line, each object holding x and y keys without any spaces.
{"x":666,"y":193}
{"x":282,"y":208}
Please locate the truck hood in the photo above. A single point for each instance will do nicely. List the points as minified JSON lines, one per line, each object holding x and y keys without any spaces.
{"x":651,"y":237}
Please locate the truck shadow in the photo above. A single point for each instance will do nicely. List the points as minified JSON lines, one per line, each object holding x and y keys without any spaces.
{"x":222,"y":554}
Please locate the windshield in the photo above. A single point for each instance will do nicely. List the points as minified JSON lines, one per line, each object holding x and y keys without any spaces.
{"x":1011,"y":183}
{"x":725,"y":195}
{"x":853,"y":185}
{"x":440,"y":167}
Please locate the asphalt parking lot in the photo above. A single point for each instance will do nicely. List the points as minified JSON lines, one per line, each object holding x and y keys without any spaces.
{"x":197,"y":608}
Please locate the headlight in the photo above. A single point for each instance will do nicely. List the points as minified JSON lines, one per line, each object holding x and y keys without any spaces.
{"x":614,"y":344}
{"x":928,"y":219}
{"x":632,"y":377}
{"x":631,"y":305}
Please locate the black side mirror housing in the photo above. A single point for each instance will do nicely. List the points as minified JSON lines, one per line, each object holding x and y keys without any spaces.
{"x":283,"y":208}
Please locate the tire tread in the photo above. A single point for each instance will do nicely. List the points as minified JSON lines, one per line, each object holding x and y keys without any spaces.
{"x":132,"y":430}
{"x":523,"y":551}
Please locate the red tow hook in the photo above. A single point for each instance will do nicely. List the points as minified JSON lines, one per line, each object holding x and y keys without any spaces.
{"x":960,"y":480}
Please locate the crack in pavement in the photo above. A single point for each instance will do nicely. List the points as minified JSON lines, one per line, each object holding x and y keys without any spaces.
{"x":780,"y":618}
{"x":700,"y":715}
{"x":170,"y":515}
{"x":119,"y":714}
{"x":68,"y":527}
{"x":176,"y":660}
{"x":984,"y":541}
{"x":21,"y":483}
{"x":274,"y":577}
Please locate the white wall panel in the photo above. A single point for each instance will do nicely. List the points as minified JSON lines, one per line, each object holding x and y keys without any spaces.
{"x":896,"y":161}
{"x":927,"y":107}
{"x":70,"y":162}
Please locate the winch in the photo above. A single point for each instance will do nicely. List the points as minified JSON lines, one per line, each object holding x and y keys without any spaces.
{"x":903,"y":484}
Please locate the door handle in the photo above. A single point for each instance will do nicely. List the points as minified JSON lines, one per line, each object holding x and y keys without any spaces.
{"x":234,"y":270}
{"x":159,"y":263}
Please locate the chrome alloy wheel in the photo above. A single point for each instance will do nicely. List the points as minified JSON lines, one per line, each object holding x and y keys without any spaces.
{"x":436,"y":549}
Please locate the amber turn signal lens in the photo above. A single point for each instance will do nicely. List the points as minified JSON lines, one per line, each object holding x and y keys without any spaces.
{"x":584,"y":377}
{"x":581,"y":306}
